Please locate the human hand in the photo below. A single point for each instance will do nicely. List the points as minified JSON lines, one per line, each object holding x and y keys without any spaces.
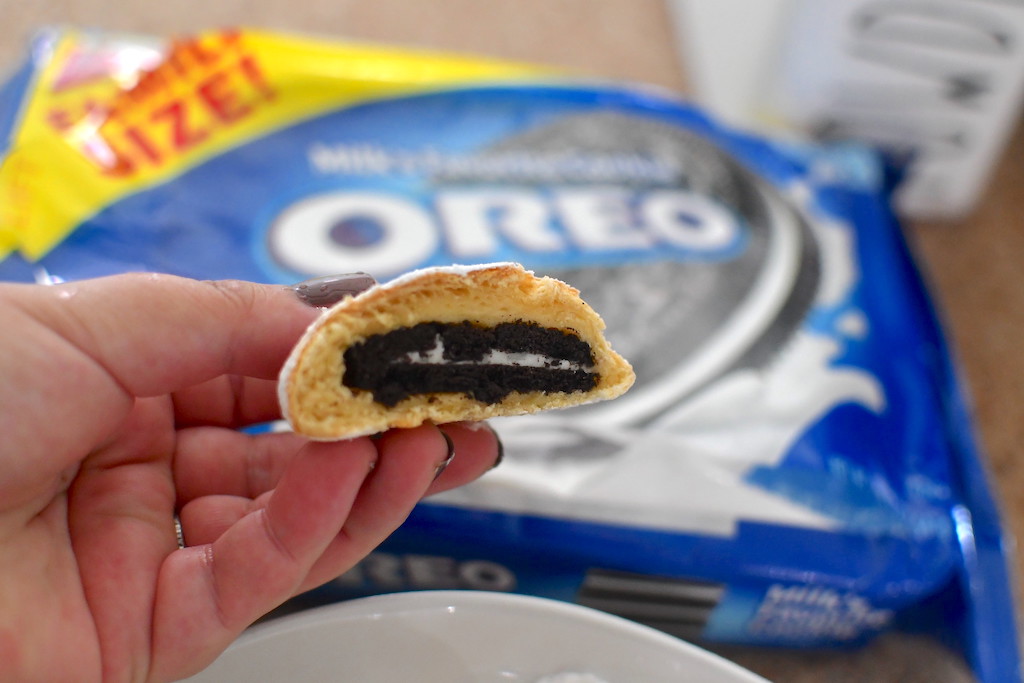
{"x":121,"y":402}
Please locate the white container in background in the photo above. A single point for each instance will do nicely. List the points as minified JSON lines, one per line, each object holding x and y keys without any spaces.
{"x":939,"y":79}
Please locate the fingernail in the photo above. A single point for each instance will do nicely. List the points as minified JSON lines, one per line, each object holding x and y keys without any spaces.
{"x":497,"y":440}
{"x":501,"y":450}
{"x":321,"y":292}
{"x":448,"y":458}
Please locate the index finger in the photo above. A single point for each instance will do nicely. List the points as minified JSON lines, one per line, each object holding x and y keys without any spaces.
{"x":154,"y":334}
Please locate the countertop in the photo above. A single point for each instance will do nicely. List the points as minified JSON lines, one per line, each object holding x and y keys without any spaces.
{"x":973,"y":264}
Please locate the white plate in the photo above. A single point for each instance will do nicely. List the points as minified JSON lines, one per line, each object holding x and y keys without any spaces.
{"x":463,"y":636}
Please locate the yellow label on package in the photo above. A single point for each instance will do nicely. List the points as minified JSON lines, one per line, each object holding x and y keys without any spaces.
{"x":107,"y":116}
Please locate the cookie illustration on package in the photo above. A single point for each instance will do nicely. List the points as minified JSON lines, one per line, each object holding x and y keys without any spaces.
{"x":682,"y":322}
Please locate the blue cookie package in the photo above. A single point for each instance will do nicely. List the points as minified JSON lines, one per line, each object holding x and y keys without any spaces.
{"x":796,"y":464}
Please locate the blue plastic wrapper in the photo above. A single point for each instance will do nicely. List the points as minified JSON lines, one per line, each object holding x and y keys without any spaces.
{"x":795,"y":465}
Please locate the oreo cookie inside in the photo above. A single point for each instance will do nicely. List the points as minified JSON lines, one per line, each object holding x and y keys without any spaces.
{"x":484,"y":363}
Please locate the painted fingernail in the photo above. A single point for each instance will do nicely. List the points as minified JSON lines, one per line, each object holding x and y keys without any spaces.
{"x":501,"y":450}
{"x":448,"y":458}
{"x":497,"y":440}
{"x":321,"y":292}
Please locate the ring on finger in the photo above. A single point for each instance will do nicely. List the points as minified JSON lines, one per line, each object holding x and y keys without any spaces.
{"x":178,"y":532}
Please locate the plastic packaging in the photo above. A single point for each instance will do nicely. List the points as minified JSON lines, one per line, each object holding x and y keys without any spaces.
{"x":795,"y":465}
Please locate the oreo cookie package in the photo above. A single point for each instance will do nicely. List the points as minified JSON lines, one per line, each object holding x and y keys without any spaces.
{"x":795,"y":465}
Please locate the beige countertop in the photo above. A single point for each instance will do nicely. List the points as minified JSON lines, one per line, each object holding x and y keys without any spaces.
{"x":974,"y":265}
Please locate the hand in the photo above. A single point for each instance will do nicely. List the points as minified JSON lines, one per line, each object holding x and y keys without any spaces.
{"x":120,"y":402}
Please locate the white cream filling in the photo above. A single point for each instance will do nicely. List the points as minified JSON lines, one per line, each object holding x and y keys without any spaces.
{"x":435,"y":356}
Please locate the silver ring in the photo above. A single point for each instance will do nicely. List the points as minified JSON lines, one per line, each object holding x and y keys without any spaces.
{"x":178,"y":532}
{"x":439,"y":470}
